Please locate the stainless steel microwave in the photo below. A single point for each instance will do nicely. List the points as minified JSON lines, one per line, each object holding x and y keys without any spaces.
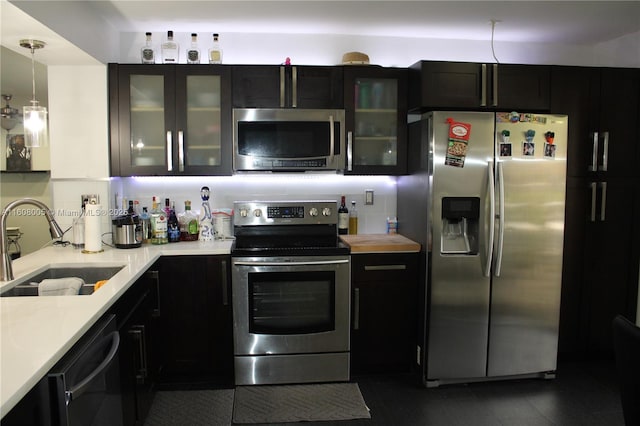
{"x":279,"y":139}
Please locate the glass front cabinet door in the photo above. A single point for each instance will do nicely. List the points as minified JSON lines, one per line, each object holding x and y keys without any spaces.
{"x":376,"y":115}
{"x":170,"y":120}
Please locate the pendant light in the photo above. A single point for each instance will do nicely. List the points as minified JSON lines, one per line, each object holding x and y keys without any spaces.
{"x":36,"y":129}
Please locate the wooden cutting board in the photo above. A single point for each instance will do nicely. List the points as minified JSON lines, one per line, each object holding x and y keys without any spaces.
{"x":380,"y":243}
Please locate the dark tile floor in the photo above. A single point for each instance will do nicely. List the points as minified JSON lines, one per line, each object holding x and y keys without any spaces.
{"x":582,"y":394}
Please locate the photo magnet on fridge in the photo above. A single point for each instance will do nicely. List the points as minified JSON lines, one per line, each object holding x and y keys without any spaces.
{"x":528,"y":149}
{"x":549,"y":150}
{"x":505,"y":150}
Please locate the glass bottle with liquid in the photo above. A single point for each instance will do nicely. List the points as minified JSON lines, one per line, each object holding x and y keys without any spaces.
{"x":193,"y":53}
{"x":170,"y":50}
{"x":353,"y":219}
{"x":173,"y":227}
{"x":215,"y":53}
{"x":343,"y":217}
{"x":188,"y":224}
{"x":147,"y":54}
{"x":158,"y":224}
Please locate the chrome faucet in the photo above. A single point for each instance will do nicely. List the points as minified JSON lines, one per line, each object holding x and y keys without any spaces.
{"x":6,"y":270}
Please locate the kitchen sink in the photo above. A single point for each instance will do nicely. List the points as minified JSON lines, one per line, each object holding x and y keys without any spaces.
{"x":28,"y":286}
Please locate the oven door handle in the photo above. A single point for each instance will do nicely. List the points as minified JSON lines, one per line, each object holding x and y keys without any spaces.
{"x":267,"y":263}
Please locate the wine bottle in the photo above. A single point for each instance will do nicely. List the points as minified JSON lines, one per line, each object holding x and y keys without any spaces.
{"x":343,"y":217}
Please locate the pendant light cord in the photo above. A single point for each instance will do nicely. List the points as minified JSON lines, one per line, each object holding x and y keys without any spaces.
{"x":493,"y":29}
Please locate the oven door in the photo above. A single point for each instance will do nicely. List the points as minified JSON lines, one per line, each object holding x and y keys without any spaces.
{"x":285,"y":305}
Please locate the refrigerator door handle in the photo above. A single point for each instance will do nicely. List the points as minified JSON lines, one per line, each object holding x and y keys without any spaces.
{"x":500,"y":179}
{"x":603,"y":202}
{"x":594,"y":189}
{"x":594,"y":154}
{"x":492,"y":219}
{"x":605,"y":151}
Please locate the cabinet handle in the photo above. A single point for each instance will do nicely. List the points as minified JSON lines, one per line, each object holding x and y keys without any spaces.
{"x":180,"y":151}
{"x":225,"y":292}
{"x":155,"y":275}
{"x":495,"y":85}
{"x":169,"y":151}
{"x":593,"y":186}
{"x":349,"y":151}
{"x":603,"y":201}
{"x":294,"y":87}
{"x":282,"y":92}
{"x":356,"y":309}
{"x":385,"y":267}
{"x":138,"y":334}
{"x":605,"y":152}
{"x":594,"y":153}
{"x":483,"y":84}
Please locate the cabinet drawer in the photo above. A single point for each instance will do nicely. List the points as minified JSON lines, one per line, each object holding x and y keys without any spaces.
{"x":383,"y":267}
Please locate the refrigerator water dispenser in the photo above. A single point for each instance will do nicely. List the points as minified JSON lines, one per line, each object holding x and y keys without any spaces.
{"x":460,"y":226}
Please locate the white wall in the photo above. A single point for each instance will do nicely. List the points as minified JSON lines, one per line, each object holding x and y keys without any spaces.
{"x":306,"y":49}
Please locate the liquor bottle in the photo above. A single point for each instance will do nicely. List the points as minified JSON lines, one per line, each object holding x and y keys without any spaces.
{"x":343,"y":217}
{"x":173,"y":227}
{"x":206,"y":223}
{"x":193,"y":53}
{"x":353,"y":219}
{"x":147,"y":54}
{"x":215,"y":53}
{"x":167,"y":206}
{"x":158,"y":224}
{"x":170,"y":50}
{"x":188,"y":224}
{"x":145,"y":220}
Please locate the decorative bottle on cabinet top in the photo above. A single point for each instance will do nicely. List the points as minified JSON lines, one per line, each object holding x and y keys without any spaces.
{"x":147,"y":53}
{"x":193,"y":53}
{"x":206,"y":223}
{"x":188,"y":224}
{"x":170,"y":50}
{"x":353,"y":219}
{"x":215,"y":53}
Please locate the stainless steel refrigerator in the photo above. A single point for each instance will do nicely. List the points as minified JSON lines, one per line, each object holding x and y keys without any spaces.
{"x":485,"y":196}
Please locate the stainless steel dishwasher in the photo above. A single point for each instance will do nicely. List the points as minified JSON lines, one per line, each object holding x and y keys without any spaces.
{"x":85,"y":384}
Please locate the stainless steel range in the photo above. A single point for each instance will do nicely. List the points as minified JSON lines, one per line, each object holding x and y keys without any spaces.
{"x":291,"y":293}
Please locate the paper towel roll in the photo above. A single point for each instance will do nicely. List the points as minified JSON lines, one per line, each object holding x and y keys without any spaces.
{"x":92,"y":231}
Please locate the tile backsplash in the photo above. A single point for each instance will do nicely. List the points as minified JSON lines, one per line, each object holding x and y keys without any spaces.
{"x":288,"y":186}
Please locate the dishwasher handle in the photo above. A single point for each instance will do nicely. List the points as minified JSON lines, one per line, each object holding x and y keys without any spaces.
{"x":77,"y":390}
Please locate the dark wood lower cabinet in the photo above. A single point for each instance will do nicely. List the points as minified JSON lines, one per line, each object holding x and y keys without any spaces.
{"x":384,"y":312}
{"x":195,"y":312}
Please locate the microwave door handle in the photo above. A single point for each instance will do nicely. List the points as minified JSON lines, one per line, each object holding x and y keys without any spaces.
{"x":349,"y":151}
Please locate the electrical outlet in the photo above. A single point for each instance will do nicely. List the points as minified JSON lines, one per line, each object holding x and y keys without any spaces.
{"x":85,"y":198}
{"x":368,"y":197}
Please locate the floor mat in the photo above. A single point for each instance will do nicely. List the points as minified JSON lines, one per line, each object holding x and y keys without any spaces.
{"x":197,"y":407}
{"x":298,"y":403}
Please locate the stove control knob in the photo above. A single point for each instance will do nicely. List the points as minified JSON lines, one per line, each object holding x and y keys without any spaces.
{"x":313,"y":212}
{"x":326,"y":211}
{"x":257,"y":212}
{"x":244,"y":212}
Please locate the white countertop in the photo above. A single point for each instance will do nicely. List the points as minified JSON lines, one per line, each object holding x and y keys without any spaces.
{"x":35,"y":332}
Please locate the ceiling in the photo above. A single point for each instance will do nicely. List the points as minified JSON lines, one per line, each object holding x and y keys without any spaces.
{"x":565,"y":22}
